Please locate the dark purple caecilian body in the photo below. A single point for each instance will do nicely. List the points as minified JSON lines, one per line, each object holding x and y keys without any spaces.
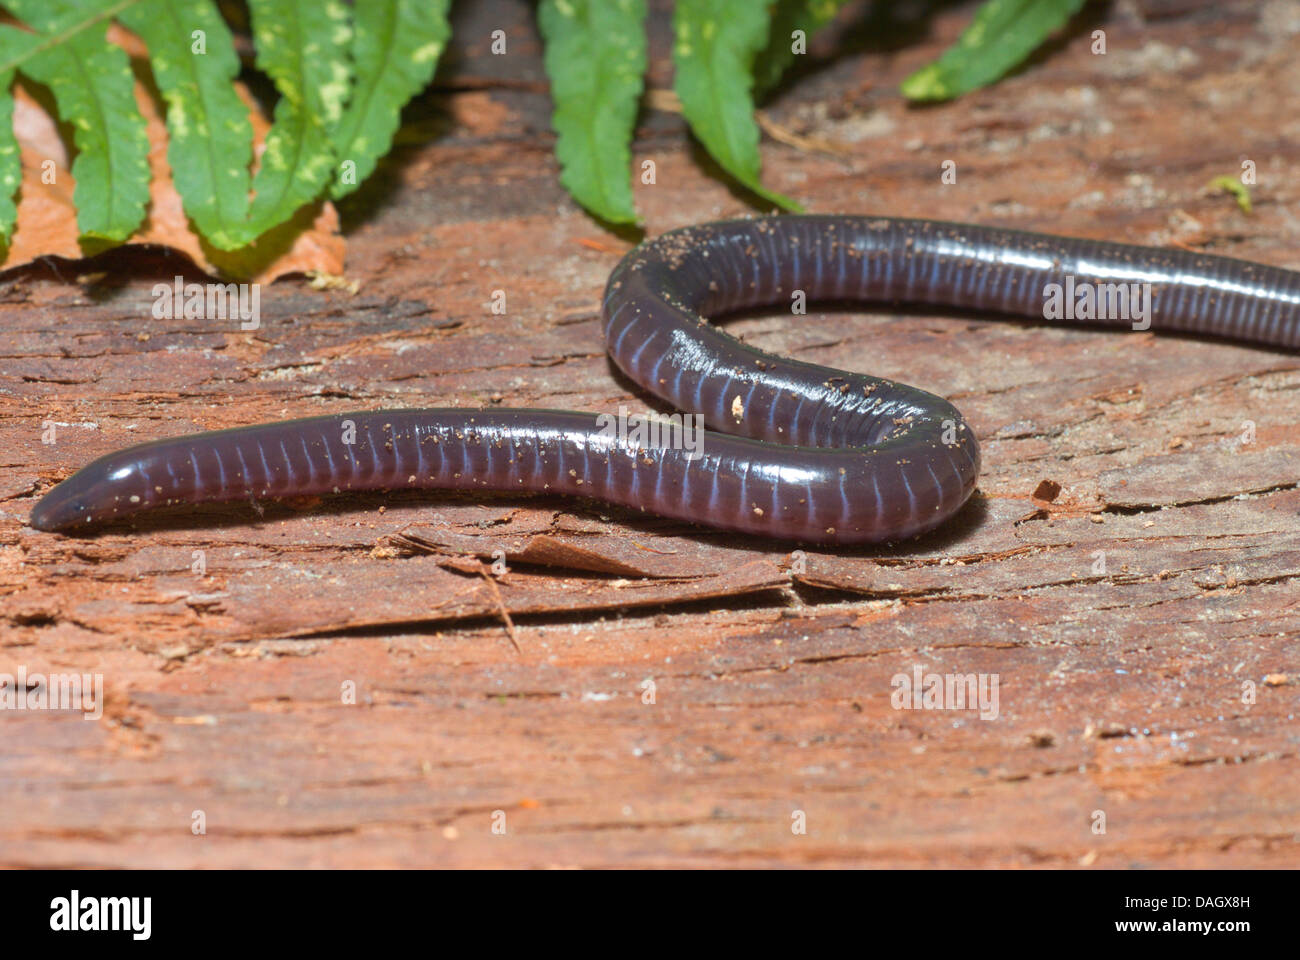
{"x":795,"y":450}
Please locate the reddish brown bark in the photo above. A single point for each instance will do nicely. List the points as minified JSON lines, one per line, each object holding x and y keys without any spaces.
{"x":1121,"y":685}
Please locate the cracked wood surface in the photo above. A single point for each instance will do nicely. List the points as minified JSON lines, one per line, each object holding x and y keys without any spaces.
{"x":1122,"y":617}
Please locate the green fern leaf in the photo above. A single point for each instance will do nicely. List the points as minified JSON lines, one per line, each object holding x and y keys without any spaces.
{"x":94,"y":88}
{"x":787,"y":17}
{"x":11,"y":167}
{"x":302,"y":46}
{"x":1002,"y":34}
{"x":14,"y":45}
{"x":395,"y":49}
{"x":210,"y":139}
{"x":596,"y":59}
{"x":714,"y":49}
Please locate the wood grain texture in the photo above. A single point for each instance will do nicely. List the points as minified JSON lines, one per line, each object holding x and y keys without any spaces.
{"x":1122,"y":615}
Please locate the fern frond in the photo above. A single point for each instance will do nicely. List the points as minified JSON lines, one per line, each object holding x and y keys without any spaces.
{"x":806,"y":16}
{"x":596,"y":58}
{"x":94,"y":88}
{"x":210,"y":147}
{"x":395,"y":49}
{"x":14,"y":44}
{"x":715,"y":45}
{"x":1002,"y":34}
{"x":302,"y":45}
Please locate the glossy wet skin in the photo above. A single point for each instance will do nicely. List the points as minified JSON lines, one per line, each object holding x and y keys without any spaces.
{"x":794,"y":450}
